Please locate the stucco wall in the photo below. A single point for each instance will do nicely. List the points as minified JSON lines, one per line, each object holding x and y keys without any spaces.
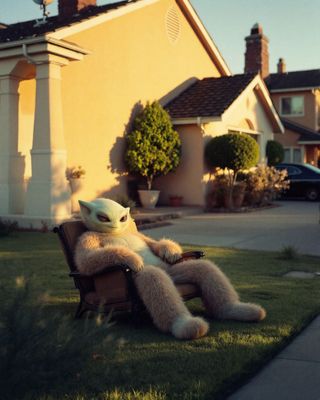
{"x":132,"y":61}
{"x":187,"y":180}
{"x":309,"y":118}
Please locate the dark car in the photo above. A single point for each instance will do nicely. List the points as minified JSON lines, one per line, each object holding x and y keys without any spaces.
{"x":304,"y":180}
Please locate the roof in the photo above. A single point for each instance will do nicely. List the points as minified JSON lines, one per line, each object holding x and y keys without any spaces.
{"x":293,"y":80}
{"x":208,"y":97}
{"x":27,"y":29}
{"x":306,"y":134}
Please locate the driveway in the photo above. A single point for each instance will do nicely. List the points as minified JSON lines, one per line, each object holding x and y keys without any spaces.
{"x":290,"y":223}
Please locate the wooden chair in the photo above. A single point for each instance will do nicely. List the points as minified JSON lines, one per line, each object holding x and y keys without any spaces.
{"x":112,"y":288}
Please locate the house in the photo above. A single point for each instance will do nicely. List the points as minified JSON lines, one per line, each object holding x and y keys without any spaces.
{"x":212,"y":107}
{"x":71,"y":86}
{"x":296,"y":97}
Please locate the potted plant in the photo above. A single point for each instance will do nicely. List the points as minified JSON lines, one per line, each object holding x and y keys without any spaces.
{"x":233,"y":152}
{"x":153,"y":149}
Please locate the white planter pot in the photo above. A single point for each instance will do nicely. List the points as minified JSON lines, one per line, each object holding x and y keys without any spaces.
{"x":148,"y":198}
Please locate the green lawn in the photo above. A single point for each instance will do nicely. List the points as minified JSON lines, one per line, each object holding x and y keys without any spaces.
{"x":48,"y":355}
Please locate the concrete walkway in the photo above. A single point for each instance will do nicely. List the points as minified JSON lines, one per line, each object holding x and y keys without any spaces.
{"x":294,"y":374}
{"x":289,"y":224}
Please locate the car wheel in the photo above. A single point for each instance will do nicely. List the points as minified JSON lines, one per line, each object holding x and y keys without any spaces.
{"x":312,"y":194}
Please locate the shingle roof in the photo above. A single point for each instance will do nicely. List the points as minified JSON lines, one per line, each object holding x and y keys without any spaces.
{"x":208,"y":97}
{"x":27,"y":29}
{"x":295,"y":79}
{"x":306,"y":134}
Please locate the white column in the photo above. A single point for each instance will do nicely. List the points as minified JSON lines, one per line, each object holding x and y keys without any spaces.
{"x":11,"y":162}
{"x":48,"y":192}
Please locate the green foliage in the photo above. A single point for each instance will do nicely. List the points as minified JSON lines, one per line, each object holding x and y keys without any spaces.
{"x":274,"y":152}
{"x":264,"y":183}
{"x":7,"y":227}
{"x":289,"y":253}
{"x":39,"y":350}
{"x":153,"y":146}
{"x":235,"y":151}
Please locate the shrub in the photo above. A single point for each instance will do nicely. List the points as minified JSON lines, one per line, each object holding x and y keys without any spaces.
{"x":233,"y":151}
{"x":153,"y":146}
{"x":7,"y":227}
{"x":274,"y":152}
{"x":264,"y":183}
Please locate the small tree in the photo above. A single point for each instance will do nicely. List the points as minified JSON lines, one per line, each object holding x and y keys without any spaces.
{"x":274,"y":152}
{"x":153,"y":146}
{"x":233,"y":151}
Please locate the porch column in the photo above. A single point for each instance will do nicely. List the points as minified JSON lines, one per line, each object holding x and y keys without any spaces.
{"x":9,"y":171}
{"x":48,"y":193}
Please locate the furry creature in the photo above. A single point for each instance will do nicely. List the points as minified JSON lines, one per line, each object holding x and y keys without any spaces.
{"x":113,"y":238}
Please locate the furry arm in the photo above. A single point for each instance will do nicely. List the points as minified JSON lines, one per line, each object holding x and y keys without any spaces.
{"x":166,"y":249}
{"x":91,"y":256}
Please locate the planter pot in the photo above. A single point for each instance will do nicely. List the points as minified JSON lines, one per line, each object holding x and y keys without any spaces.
{"x":148,"y":198}
{"x":238,"y":195}
{"x":175,"y":201}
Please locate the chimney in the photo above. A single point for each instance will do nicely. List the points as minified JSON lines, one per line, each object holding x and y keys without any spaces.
{"x":257,"y":53}
{"x":281,"y":66}
{"x":68,"y":8}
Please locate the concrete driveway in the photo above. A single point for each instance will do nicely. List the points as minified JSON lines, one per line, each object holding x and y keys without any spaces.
{"x":291,"y":223}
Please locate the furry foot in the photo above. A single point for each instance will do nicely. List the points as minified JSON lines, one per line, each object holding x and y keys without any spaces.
{"x":242,"y":312}
{"x":187,"y":327}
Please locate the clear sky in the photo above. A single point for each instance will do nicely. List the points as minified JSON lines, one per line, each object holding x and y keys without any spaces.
{"x":292,"y":26}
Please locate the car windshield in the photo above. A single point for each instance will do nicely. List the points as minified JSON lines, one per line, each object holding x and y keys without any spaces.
{"x":313,"y":168}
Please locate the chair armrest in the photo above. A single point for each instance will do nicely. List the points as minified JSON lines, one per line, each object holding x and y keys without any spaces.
{"x":116,"y":267}
{"x":190,"y":255}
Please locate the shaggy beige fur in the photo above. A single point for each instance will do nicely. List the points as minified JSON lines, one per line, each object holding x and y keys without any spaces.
{"x":155,"y":274}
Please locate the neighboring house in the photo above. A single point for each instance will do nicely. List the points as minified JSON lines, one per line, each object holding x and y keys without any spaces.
{"x":296,"y":96}
{"x":70,"y":88}
{"x":212,"y":107}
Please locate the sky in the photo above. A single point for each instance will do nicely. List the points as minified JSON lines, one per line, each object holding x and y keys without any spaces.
{"x":292,"y":27}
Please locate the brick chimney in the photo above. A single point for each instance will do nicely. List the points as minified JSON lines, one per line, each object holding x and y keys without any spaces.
{"x":67,"y":8}
{"x":257,"y":52}
{"x":281,"y":66}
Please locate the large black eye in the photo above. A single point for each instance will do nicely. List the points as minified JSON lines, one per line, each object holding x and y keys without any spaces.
{"x":103,"y":218}
{"x":124,"y":218}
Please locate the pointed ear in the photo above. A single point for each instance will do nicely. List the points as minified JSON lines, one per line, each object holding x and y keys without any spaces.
{"x":85,"y":207}
{"x":128,"y":210}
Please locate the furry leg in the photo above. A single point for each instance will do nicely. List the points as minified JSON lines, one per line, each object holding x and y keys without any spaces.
{"x":218,"y":295}
{"x":165,"y":305}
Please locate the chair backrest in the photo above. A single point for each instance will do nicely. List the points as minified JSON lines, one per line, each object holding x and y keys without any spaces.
{"x":69,"y":233}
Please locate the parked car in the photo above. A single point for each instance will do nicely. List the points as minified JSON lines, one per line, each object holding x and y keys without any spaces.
{"x":304,"y":180}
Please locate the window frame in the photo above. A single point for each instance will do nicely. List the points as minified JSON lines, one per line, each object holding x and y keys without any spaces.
{"x":291,"y":97}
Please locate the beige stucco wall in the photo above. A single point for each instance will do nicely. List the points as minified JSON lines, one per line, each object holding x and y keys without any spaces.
{"x":132,"y":61}
{"x":309,"y":118}
{"x":187,"y":180}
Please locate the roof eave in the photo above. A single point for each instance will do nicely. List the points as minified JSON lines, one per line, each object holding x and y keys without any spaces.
{"x":298,"y":89}
{"x":194,"y":120}
{"x":309,"y":141}
{"x":99,"y":19}
{"x":204,"y":37}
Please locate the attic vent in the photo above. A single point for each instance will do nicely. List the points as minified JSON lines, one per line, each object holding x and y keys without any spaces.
{"x":173,"y":27}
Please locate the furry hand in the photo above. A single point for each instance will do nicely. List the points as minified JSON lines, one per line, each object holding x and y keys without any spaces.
{"x":134,"y":262}
{"x":168,"y":250}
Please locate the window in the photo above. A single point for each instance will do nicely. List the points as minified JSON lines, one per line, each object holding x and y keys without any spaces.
{"x":293,"y":154}
{"x":293,"y":106}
